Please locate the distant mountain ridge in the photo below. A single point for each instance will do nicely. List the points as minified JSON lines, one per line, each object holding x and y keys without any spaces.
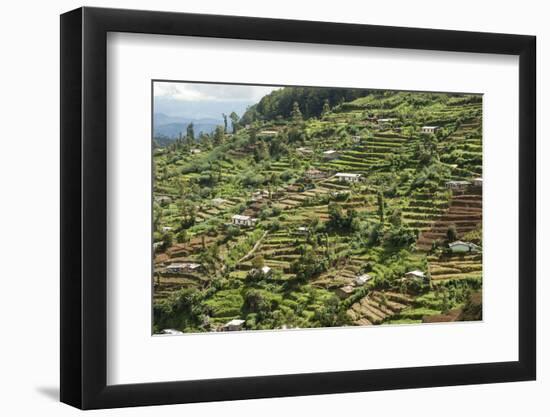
{"x":169,"y":128}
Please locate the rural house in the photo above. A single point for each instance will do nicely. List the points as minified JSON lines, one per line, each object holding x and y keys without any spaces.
{"x":347,"y":177}
{"x":240,"y":220}
{"x":163,"y":199}
{"x":429,"y":129}
{"x":195,"y":151}
{"x":344,"y":292}
{"x":457,"y":185}
{"x":331,"y":154}
{"x":463,"y":247}
{"x":233,"y":325}
{"x":260,"y":194}
{"x":356,"y":138}
{"x":304,"y":151}
{"x":415,"y":275}
{"x":362,"y":279}
{"x":268,"y":133}
{"x":181,"y":267}
{"x":264,"y":271}
{"x":478,"y":182}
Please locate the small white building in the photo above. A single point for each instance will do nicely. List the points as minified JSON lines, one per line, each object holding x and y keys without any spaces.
{"x":415,"y":275}
{"x":258,"y":195}
{"x":195,"y":151}
{"x":385,"y":123}
{"x":362,"y":279}
{"x":429,"y":129}
{"x":240,"y":220}
{"x":167,"y":229}
{"x":463,"y":247}
{"x":304,"y":151}
{"x":268,"y":133}
{"x":457,"y":185}
{"x":347,"y":177}
{"x":331,"y":154}
{"x":180,"y":267}
{"x":478,"y":182}
{"x":162,"y":199}
{"x":233,"y":325}
{"x":356,"y":138}
{"x":264,"y":271}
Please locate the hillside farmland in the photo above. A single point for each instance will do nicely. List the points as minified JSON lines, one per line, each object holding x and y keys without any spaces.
{"x":363,"y":211}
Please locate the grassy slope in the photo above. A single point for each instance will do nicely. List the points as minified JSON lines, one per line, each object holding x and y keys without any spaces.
{"x":389,"y":160}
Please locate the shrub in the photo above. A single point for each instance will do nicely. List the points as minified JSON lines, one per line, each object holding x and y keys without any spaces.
{"x":451,"y":234}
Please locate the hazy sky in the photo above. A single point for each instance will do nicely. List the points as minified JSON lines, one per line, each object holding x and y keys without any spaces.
{"x":193,"y":100}
{"x":211,"y":92}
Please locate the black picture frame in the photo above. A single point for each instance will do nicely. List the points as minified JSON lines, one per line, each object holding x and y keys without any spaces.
{"x":84,"y":207}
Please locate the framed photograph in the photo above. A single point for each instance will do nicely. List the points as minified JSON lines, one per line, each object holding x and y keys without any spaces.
{"x":256,"y":208}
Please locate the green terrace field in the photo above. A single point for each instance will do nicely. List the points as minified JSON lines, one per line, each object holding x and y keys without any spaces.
{"x":309,"y":231}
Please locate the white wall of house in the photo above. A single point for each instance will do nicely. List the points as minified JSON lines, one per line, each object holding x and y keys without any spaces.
{"x":429,"y":129}
{"x":460,"y":248}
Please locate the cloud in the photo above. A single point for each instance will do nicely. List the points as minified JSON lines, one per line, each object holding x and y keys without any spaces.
{"x":178,"y":92}
{"x":210,"y":92}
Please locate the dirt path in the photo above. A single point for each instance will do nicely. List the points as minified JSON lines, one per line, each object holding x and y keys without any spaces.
{"x":254,"y":248}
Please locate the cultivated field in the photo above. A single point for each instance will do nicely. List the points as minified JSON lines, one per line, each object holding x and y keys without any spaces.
{"x":352,"y":215}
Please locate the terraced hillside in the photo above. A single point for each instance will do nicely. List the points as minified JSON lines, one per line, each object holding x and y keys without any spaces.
{"x":377,"y":307}
{"x":464,"y":212}
{"x":315,"y":213}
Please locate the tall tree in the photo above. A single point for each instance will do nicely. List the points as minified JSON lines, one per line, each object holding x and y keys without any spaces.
{"x":452,"y":234}
{"x":252,"y":135}
{"x":218,"y":135}
{"x":296,"y":114}
{"x":395,"y":218}
{"x":326,"y":108}
{"x":224,"y":122}
{"x":190,"y":137}
{"x":234,"y":121}
{"x":260,"y":151}
{"x":258,"y":262}
{"x":191,"y":131}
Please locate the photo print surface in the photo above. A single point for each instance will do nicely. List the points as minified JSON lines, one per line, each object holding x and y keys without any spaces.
{"x":282,"y":207}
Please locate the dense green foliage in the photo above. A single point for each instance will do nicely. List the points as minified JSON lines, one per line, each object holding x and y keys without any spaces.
{"x":315,"y":233}
{"x":312,"y":102}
